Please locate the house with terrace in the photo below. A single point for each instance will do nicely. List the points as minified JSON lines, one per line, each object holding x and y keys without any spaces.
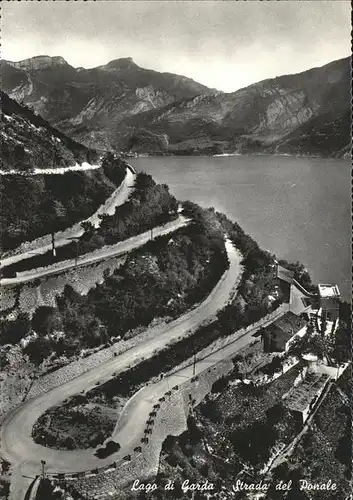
{"x":329,"y":300}
{"x":276,"y":336}
{"x":328,"y":312}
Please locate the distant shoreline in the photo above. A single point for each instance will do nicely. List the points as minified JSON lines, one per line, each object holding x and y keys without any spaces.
{"x":229,"y":155}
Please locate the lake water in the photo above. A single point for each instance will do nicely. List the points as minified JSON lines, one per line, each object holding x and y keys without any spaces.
{"x":297,"y":208}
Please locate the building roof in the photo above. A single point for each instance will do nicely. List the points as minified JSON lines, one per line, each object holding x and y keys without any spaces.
{"x":285,"y":274}
{"x":300,"y":397}
{"x":290,"y":322}
{"x":283,"y":329}
{"x":329,"y":291}
{"x":277,"y":337}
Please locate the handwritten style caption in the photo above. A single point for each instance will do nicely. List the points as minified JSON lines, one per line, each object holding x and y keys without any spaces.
{"x":238,"y":486}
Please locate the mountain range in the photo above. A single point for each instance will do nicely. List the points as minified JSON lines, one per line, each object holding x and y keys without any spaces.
{"x":122,"y":106}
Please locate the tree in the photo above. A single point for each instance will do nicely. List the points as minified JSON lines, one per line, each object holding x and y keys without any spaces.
{"x":46,"y":491}
{"x":55,"y":214}
{"x":276,"y":365}
{"x":253,"y":443}
{"x":300,"y":274}
{"x":343,"y":452}
{"x":275,"y":413}
{"x":68,"y":298}
{"x":210,"y":410}
{"x":297,"y":347}
{"x":295,"y":493}
{"x":70,"y":443}
{"x":11,"y":332}
{"x":280,"y":472}
{"x":230,"y":317}
{"x":194,"y":432}
{"x":220,"y":384}
{"x":318,"y":346}
{"x":340,"y":342}
{"x":38,"y":350}
{"x":88,"y":228}
{"x":45,"y":320}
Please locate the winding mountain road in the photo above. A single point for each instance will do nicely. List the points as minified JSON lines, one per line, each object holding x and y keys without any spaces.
{"x":97,"y":255}
{"x":62,"y":238}
{"x":52,"y":171}
{"x":17,"y":444}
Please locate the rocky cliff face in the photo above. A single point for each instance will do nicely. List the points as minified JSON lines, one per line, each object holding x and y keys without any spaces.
{"x":122,"y":106}
{"x":90,"y":103}
{"x":306,"y":114}
{"x":29,"y":142}
{"x":39,"y":62}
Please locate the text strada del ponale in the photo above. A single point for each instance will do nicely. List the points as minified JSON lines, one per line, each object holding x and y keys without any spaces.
{"x":283,"y":486}
{"x":261,"y":486}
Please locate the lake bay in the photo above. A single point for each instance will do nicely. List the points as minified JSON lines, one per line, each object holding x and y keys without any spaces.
{"x":297,"y":208}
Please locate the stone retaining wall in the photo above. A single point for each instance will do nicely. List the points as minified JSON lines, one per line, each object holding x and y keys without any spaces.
{"x":225,"y":341}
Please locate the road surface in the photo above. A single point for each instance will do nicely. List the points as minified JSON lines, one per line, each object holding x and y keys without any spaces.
{"x":97,"y":255}
{"x":52,"y":171}
{"x":131,"y":423}
{"x":62,"y":238}
{"x":16,"y":441}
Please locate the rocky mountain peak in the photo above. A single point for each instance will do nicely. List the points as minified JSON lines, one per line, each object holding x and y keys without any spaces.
{"x":122,"y":64}
{"x":39,"y":62}
{"x":113,"y":105}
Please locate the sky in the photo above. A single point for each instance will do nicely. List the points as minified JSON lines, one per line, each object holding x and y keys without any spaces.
{"x":224,"y":45}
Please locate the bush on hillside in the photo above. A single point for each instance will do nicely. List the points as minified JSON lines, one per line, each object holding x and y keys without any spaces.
{"x":32,"y":206}
{"x":12,"y":331}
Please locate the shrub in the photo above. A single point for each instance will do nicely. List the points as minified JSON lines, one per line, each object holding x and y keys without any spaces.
{"x":12,"y":331}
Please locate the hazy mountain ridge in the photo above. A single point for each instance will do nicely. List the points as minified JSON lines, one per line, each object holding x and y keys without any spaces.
{"x":123,"y":106}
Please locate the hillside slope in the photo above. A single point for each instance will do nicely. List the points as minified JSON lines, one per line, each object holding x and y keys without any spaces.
{"x":33,"y":205}
{"x":28,"y":141}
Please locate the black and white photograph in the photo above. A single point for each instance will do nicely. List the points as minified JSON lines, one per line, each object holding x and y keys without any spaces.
{"x":175,"y":250}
